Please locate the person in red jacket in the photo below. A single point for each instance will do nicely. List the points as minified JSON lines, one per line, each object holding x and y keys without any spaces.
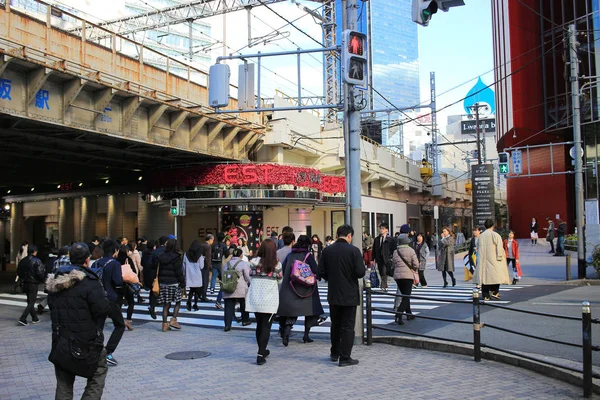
{"x":511,"y":248}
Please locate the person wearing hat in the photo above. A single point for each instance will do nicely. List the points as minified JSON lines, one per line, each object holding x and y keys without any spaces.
{"x":406,"y":263}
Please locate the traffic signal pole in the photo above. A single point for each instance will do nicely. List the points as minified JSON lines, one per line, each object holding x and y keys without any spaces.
{"x":579,"y":195}
{"x":352,"y":136}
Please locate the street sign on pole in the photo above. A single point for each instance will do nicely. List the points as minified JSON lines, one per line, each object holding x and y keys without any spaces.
{"x":484,"y":206}
{"x":517,"y":162}
{"x":436,"y":212}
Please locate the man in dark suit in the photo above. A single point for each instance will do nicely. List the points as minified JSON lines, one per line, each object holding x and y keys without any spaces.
{"x":342,"y":265}
{"x":383,"y":249}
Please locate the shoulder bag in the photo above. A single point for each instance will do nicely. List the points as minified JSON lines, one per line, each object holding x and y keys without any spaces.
{"x":155,"y":285}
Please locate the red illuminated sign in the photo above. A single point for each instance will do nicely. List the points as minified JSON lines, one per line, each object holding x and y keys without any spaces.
{"x":355,"y":45}
{"x":250,"y":174}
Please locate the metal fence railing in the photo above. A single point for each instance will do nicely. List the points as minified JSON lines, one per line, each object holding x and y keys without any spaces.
{"x":586,"y":320}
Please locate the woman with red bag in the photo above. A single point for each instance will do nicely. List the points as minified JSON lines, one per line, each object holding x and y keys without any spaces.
{"x":511,"y":248}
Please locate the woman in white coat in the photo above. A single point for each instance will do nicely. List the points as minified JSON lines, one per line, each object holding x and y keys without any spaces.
{"x":193,"y":263}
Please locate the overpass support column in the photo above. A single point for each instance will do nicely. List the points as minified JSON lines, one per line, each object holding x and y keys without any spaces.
{"x":17,"y":230}
{"x":89,"y":212}
{"x":66,"y":222}
{"x":115,"y":215}
{"x":144,"y":216}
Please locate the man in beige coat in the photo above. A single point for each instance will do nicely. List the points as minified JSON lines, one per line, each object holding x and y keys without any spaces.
{"x":491,"y":269}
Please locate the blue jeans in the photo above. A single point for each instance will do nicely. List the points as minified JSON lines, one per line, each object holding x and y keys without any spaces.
{"x":216,"y":271}
{"x":560,"y":245}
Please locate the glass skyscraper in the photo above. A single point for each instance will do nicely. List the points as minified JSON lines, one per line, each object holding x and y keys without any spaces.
{"x":394,"y":49}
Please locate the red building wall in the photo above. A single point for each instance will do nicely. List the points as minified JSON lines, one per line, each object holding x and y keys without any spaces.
{"x":543,"y":196}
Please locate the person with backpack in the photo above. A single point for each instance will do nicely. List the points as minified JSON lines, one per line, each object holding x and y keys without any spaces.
{"x":108,"y":270}
{"x":298,"y":297}
{"x":206,"y":252}
{"x":235,"y":279}
{"x":193,"y":263}
{"x":78,"y":308}
{"x":218,"y":249}
{"x":406,"y":263}
{"x":31,"y":272}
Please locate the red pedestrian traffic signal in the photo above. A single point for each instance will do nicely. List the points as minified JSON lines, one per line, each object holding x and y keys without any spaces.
{"x":354,"y":58}
{"x":355,"y":44}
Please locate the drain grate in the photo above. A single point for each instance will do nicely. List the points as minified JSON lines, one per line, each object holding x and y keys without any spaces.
{"x":187,"y":355}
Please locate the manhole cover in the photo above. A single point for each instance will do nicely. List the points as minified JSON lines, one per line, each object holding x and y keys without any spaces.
{"x":187,"y":355}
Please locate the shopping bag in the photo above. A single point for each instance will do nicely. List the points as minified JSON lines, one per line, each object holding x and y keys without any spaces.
{"x":468,"y":274}
{"x":519,"y":272}
{"x":374,"y":278}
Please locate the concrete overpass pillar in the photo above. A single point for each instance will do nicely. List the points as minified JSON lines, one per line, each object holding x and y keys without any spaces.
{"x":115,"y":216}
{"x":88,"y":218}
{"x":66,"y":222}
{"x":17,"y":230}
{"x":144,"y":216}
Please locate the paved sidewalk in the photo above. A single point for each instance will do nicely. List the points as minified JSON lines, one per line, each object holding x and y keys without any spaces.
{"x":300,"y":371}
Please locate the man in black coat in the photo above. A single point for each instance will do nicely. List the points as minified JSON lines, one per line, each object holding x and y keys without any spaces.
{"x":112,"y":280}
{"x":383,"y":249}
{"x":78,"y":305}
{"x":342,"y":265}
{"x":206,"y":251}
{"x":31,"y":273}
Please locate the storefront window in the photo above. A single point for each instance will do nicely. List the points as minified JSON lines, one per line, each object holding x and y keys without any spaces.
{"x":366,"y":222}
{"x":337,"y":219}
{"x":382,"y":218}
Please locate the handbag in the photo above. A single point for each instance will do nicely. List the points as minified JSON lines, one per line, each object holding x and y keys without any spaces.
{"x":155,"y":285}
{"x":374,"y":278}
{"x":303,"y":275}
{"x":263,"y":296}
{"x":519,"y":272}
{"x":128,"y":275}
{"x":76,"y":356}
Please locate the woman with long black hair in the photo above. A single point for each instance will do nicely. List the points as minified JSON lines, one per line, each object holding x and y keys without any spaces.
{"x":193,"y":264}
{"x":263,"y":296}
{"x":299,"y":300}
{"x":123,"y":258}
{"x":171,"y":281}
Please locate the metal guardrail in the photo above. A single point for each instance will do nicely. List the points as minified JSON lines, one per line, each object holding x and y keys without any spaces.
{"x":586,"y":320}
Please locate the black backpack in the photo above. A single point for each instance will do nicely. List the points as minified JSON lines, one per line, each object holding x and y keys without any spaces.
{"x":217,"y":253}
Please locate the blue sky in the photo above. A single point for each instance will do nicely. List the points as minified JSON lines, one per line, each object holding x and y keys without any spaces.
{"x":457,"y":45}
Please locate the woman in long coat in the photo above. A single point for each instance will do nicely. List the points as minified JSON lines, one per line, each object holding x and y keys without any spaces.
{"x":446,"y":262}
{"x":291,"y":305}
{"x":491,"y":269}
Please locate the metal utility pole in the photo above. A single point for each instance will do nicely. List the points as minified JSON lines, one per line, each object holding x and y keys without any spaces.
{"x":353,"y":179}
{"x":352,"y":135}
{"x":475,"y":108}
{"x":579,"y":195}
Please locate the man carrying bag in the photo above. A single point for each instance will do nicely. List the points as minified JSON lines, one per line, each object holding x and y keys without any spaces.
{"x":78,"y":309}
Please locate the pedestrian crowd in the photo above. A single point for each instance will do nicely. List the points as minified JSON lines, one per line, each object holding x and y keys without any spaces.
{"x":88,"y":283}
